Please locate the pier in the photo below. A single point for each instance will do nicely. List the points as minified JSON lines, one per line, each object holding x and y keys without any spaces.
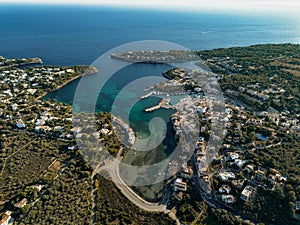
{"x":164,"y":103}
{"x":147,"y":95}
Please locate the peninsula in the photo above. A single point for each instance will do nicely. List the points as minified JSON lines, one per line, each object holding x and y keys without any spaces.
{"x":154,"y":56}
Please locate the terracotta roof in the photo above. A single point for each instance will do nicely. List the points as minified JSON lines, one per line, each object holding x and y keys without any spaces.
{"x":4,"y":218}
{"x":21,"y":203}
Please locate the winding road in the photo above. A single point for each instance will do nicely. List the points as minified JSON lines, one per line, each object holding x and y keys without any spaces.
{"x":113,"y":170}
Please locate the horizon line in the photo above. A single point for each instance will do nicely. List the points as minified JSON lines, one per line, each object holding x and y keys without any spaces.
{"x":258,"y":8}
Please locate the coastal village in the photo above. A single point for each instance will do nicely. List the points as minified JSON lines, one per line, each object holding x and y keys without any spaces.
{"x":22,"y":109}
{"x":238,"y":174}
{"x":234,"y":176}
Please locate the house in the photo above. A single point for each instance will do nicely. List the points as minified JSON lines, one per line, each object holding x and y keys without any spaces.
{"x":21,"y":203}
{"x":104,"y":131}
{"x":249,"y":168}
{"x":224,"y":176}
{"x":225,"y":189}
{"x":179,"y":185}
{"x":247,"y":193}
{"x":197,"y":89}
{"x":38,"y":187}
{"x":187,"y":171}
{"x":58,"y":128}
{"x":261,"y":173}
{"x":239,"y":163}
{"x":72,"y":147}
{"x":233,"y":155}
{"x":226,"y":146}
{"x":202,"y":110}
{"x":283,"y":178}
{"x":228,"y":199}
{"x":6,"y":218}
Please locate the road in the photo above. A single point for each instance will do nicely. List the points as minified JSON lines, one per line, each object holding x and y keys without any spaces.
{"x":113,"y":170}
{"x":94,"y":195}
{"x":219,"y":205}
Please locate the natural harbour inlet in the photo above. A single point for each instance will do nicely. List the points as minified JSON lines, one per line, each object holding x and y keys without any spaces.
{"x":101,"y":123}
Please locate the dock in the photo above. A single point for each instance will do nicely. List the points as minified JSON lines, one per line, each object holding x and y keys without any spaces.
{"x":147,"y":95}
{"x":164,"y":103}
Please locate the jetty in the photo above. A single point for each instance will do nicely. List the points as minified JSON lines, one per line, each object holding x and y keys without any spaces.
{"x":164,"y":103}
{"x":147,"y":95}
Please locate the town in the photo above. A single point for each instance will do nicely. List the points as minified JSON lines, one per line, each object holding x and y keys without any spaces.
{"x":255,"y":168}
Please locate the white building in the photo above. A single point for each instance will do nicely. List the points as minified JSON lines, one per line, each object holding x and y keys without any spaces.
{"x":247,"y":193}
{"x":179,"y":185}
{"x":224,"y":176}
{"x":225,"y":189}
{"x":228,"y":199}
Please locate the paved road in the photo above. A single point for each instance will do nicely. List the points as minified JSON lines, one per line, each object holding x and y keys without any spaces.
{"x":113,"y":170}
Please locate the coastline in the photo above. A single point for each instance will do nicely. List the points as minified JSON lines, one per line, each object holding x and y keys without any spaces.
{"x":27,"y":62}
{"x":93,"y":71}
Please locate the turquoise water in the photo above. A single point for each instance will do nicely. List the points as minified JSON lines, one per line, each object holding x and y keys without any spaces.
{"x":138,"y":119}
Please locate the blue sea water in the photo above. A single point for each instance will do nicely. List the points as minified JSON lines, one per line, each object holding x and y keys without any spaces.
{"x":69,"y":35}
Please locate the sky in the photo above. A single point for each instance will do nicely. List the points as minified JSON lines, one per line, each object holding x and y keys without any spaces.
{"x":290,"y":7}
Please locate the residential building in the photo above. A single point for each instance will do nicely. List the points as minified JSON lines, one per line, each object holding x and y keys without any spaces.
{"x":224,"y":176}
{"x":261,"y":173}
{"x":228,"y":198}
{"x":247,"y":193}
{"x":187,"y":171}
{"x":225,"y":189}
{"x":179,"y":185}
{"x":5,"y":219}
{"x":249,"y":168}
{"x":21,"y":203}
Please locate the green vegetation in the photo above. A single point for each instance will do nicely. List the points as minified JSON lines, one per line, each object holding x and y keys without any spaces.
{"x":113,"y":208}
{"x":67,"y":201}
{"x":273,"y":206}
{"x":270,"y":70}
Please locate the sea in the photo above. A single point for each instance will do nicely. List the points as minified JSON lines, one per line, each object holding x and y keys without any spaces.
{"x":72,"y":35}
